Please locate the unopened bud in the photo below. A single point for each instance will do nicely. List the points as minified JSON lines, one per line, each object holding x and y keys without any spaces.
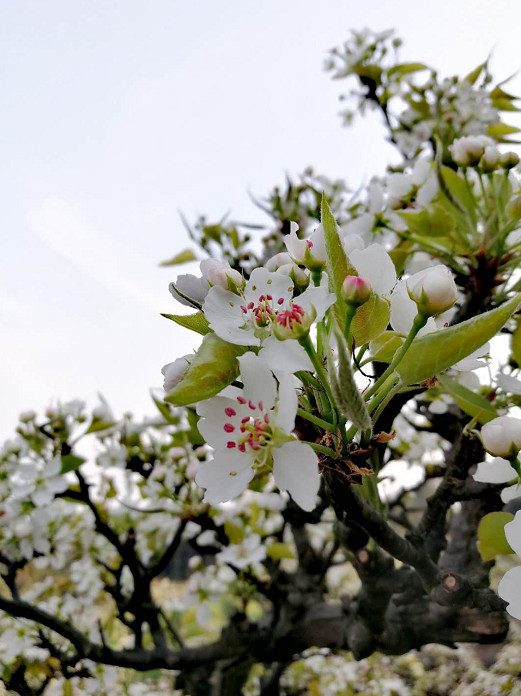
{"x":226,"y":278}
{"x":501,"y":437}
{"x":467,"y":151}
{"x":509,"y":160}
{"x":433,"y":290}
{"x":356,"y":290}
{"x":174,"y":371}
{"x":490,"y":160}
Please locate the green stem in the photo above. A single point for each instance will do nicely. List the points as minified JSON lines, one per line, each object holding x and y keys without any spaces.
{"x":350,"y":314}
{"x":383,"y":402}
{"x":386,"y":388}
{"x":307,"y":344}
{"x":325,"y":425}
{"x":419,"y":322}
{"x":322,"y":449}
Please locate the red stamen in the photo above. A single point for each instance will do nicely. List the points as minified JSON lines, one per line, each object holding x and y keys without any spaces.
{"x":230,"y":444}
{"x":229,"y":428}
{"x":230,"y":412}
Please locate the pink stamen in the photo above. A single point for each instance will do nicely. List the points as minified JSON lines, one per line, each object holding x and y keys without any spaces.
{"x":231,"y":444}
{"x":266,"y":418}
{"x":229,"y":428}
{"x":246,"y":419}
{"x":309,"y":244}
{"x":230,"y":412}
{"x":251,"y":405}
{"x":261,"y":406}
{"x":241,"y":399}
{"x":244,"y":309}
{"x":242,"y":447}
{"x":280,"y":300}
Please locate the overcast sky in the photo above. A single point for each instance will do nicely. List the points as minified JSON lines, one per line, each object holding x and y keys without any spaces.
{"x":119,"y":113}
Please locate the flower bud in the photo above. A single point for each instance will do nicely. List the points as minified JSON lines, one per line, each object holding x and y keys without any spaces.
{"x":227,"y":278}
{"x":490,"y":160}
{"x":356,"y":290}
{"x":509,"y":160}
{"x":501,"y":437}
{"x":433,"y":290}
{"x":467,"y":151}
{"x":173,"y":372}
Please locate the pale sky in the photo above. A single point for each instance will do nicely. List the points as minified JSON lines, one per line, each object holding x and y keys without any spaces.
{"x":119,"y":113}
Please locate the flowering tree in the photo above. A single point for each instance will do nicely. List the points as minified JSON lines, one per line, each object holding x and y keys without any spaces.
{"x":337,"y":352}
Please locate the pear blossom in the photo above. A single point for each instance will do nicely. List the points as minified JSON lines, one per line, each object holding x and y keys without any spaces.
{"x":250,"y":431}
{"x":266,"y":302}
{"x":415,"y":189}
{"x":309,"y":252}
{"x":40,"y":483}
{"x":250,"y":550}
{"x":468,"y":150}
{"x":191,"y":290}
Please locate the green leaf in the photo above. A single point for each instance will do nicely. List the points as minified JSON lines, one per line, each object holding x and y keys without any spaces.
{"x":278,"y":550}
{"x":337,"y":263}
{"x":434,"y":221}
{"x":405,"y":68}
{"x":472,"y":403}
{"x":97,"y":425}
{"x":182,"y":257}
{"x":234,"y":533}
{"x":195,"y":322}
{"x":504,"y":105}
{"x":371,"y":319}
{"x":70,"y":462}
{"x":437,"y":351}
{"x":473,"y":76}
{"x":214,"y":367}
{"x":165,"y":410}
{"x":491,"y":535}
{"x":385,"y":346}
{"x":193,"y":434}
{"x":498,"y":130}
{"x":458,"y":189}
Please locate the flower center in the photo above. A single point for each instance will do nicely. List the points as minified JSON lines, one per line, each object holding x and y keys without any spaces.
{"x":254,"y":431}
{"x":290,"y":316}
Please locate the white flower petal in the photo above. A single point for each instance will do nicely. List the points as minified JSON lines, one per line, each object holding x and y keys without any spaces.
{"x":263,"y":282}
{"x":215,"y":415}
{"x":295,"y":470}
{"x":224,"y":477}
{"x":287,"y":403}
{"x":318,"y":297}
{"x":511,"y":493}
{"x":508,"y":590}
{"x":259,"y":382}
{"x":285,"y":356}
{"x":513,"y":533}
{"x":375,"y":265}
{"x":222,"y":309}
{"x":496,"y":471}
{"x":508,"y":384}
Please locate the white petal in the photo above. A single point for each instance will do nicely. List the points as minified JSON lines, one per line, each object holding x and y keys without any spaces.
{"x":375,"y":265}
{"x":224,"y":477}
{"x":285,"y":356}
{"x":263,"y":282}
{"x":508,"y":590}
{"x":203,"y":614}
{"x":496,"y":471}
{"x":287,"y":403}
{"x":427,"y":192}
{"x":259,"y":382}
{"x":511,"y":493}
{"x":318,"y":297}
{"x":214,"y":418}
{"x":404,"y":310}
{"x":508,"y":384}
{"x":513,"y":533}
{"x":295,"y":470}
{"x":191,"y":286}
{"x":222,"y":309}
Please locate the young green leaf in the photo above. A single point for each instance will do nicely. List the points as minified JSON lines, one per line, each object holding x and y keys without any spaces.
{"x":195,"y":322}
{"x":337,"y":264}
{"x":371,"y":319}
{"x":437,"y":351}
{"x":70,"y":462}
{"x":471,"y":403}
{"x":491,"y":535}
{"x":181,"y":257}
{"x":214,"y":366}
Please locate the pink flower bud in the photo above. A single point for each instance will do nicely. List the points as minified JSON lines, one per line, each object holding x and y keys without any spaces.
{"x":356,"y":290}
{"x":501,"y":437}
{"x":433,"y":290}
